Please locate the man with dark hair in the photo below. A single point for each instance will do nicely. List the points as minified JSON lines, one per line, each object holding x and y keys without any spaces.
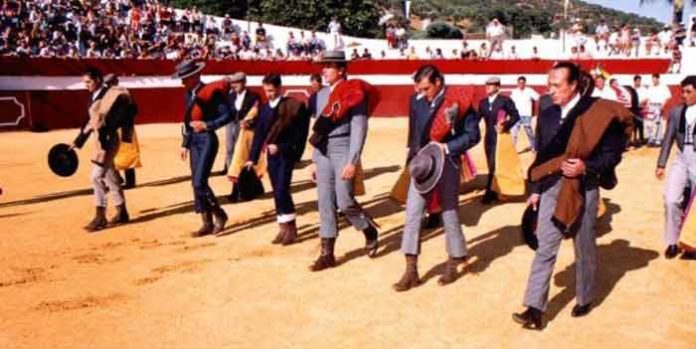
{"x":581,"y":140}
{"x":206,"y":111}
{"x":444,"y":126}
{"x":109,"y":109}
{"x":681,"y":128}
{"x":338,"y":138}
{"x":319,"y":95}
{"x":657,"y":97}
{"x":524,"y":98}
{"x":638,"y":109}
{"x":282,"y":129}
{"x":500,"y":115}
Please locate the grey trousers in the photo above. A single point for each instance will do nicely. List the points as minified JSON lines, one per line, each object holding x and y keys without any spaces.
{"x":550,"y":238}
{"x":449,"y":201}
{"x":105,"y":179}
{"x":682,"y":172}
{"x":231,"y":135}
{"x":334,"y":192}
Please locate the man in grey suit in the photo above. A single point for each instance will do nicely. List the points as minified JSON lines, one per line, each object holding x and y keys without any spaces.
{"x":558,"y":181}
{"x":681,"y":129}
{"x":444,"y":125}
{"x":338,"y":145}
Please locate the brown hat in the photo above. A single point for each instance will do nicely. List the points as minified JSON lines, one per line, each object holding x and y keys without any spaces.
{"x":426,"y":167}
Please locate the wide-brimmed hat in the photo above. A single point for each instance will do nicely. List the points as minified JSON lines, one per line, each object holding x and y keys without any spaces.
{"x":62,"y":160}
{"x":426,"y":168}
{"x":333,"y":57}
{"x":529,"y":224}
{"x":188,"y":68}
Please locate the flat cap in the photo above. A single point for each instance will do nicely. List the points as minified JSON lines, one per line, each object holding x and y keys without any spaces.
{"x":237,"y":77}
{"x":493,"y":80}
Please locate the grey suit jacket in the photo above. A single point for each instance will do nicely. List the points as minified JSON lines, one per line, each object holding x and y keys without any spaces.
{"x":676,"y":131}
{"x":354,"y":127}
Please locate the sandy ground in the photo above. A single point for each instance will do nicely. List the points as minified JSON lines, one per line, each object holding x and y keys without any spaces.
{"x":148,"y":285}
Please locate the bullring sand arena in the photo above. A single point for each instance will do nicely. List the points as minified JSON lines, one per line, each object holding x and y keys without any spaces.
{"x":148,"y":284}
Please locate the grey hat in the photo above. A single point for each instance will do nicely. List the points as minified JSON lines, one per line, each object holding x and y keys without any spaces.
{"x":493,"y":80}
{"x":237,"y":77}
{"x":333,"y":57}
{"x":188,"y":68}
{"x":426,"y":168}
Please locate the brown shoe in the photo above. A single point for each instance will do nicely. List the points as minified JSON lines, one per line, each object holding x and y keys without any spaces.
{"x":326,"y":259}
{"x":282,"y":228}
{"x":410,"y":279}
{"x":220,"y":220}
{"x":121,"y":216}
{"x":99,"y":221}
{"x":207,"y":226}
{"x":290,"y":233}
{"x":451,"y":275}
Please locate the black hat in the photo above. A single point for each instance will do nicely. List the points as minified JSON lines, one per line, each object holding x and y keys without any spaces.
{"x":188,"y":68}
{"x":529,"y":224}
{"x":62,"y":160}
{"x":426,"y":167}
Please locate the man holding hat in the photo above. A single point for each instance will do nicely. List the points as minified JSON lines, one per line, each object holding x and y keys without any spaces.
{"x":581,"y":140}
{"x":445,"y":126}
{"x":500,"y":115}
{"x":338,"y":138}
{"x":110,"y":108}
{"x":206,"y":111}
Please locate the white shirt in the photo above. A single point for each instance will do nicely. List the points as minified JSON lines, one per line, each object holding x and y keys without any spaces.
{"x":690,"y":123}
{"x":239,"y":100}
{"x":495,"y":30}
{"x":605,"y":93}
{"x":523,"y":100}
{"x":642,"y":93}
{"x":568,"y":107}
{"x":659,"y":94}
{"x":491,"y":99}
{"x":274,"y":103}
{"x":96,"y":93}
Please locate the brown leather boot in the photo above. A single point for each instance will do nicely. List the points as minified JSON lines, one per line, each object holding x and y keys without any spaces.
{"x":282,"y":229}
{"x":220,"y":220}
{"x":121,"y":216}
{"x":207,"y":226}
{"x":290,"y":233}
{"x":326,"y":259}
{"x":99,"y":221}
{"x":451,"y":275}
{"x":410,"y":279}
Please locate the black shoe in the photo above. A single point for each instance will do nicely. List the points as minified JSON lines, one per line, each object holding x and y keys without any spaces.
{"x":581,"y":310}
{"x":671,"y":251}
{"x":371,"y":241}
{"x":532,"y":319}
{"x":489,"y":197}
{"x":220,"y":220}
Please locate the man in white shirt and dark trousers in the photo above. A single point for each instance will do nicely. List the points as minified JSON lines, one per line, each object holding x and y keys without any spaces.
{"x":658,"y":95}
{"x":681,"y":129}
{"x":523,"y":97}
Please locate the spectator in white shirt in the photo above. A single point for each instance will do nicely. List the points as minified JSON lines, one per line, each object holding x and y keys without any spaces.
{"x":601,"y":89}
{"x":657,"y":96}
{"x":495,"y":33}
{"x":513,"y":53}
{"x":524,"y":97}
{"x":602,"y":31}
{"x":497,"y":52}
{"x":335,"y":33}
{"x":665,"y":38}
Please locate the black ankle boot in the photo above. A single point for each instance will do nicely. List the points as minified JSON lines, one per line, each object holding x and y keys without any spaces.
{"x":206,"y":227}
{"x":371,"y":241}
{"x":326,"y":259}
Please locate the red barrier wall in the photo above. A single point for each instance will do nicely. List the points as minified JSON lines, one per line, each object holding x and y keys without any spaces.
{"x":75,"y":67}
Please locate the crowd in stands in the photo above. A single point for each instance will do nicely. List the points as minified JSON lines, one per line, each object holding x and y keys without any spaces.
{"x":148,"y":29}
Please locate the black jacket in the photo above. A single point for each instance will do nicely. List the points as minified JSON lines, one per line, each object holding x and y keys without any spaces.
{"x":552,"y":140}
{"x":489,"y":113}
